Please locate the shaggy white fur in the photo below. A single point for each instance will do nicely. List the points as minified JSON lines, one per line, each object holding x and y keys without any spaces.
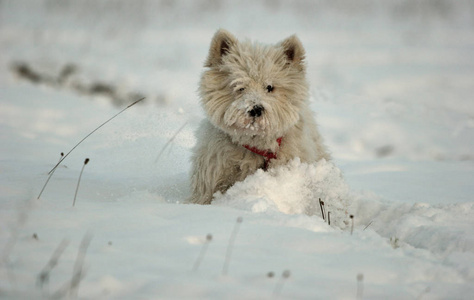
{"x":253,"y":94}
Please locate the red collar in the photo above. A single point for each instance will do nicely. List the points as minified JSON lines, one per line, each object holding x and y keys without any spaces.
{"x":265,"y":153}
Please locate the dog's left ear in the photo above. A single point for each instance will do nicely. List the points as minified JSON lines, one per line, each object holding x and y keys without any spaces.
{"x":294,"y":51}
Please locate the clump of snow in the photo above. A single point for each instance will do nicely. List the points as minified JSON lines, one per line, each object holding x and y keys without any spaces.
{"x":294,"y":188}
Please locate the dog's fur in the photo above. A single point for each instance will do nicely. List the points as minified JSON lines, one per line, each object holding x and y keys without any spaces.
{"x":252,"y":94}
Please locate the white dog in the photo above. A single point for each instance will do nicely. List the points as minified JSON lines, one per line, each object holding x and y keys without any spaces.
{"x":256,"y":100}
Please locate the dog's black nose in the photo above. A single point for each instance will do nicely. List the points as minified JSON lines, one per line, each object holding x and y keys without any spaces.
{"x":256,"y":111}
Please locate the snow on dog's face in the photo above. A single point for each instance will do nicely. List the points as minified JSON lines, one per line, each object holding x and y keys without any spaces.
{"x":253,"y":89}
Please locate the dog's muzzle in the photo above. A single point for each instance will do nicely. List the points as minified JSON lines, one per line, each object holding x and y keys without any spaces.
{"x":256,"y":111}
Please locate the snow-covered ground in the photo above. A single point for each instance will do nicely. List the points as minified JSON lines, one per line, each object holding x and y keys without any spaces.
{"x":392,"y":85}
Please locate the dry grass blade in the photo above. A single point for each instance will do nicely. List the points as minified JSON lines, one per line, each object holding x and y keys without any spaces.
{"x":230,"y":246}
{"x":54,"y":168}
{"x":280,"y":283}
{"x":360,"y":286}
{"x":43,"y":276}
{"x":15,"y":232}
{"x":203,"y":252}
{"x":352,"y":225}
{"x":70,"y":288}
{"x":49,"y":177}
{"x":321,"y":205}
{"x":170,"y":141}
{"x":79,"y":181}
{"x":370,"y":223}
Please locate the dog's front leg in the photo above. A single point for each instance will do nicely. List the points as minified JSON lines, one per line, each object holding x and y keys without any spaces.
{"x":212,"y":172}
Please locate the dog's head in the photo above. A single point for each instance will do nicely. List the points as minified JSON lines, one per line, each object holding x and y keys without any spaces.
{"x":251,"y":89}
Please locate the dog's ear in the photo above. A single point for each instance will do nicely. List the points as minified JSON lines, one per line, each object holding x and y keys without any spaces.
{"x":294,"y":51}
{"x":221,"y":43}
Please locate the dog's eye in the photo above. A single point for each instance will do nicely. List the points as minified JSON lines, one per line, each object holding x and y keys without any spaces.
{"x":241,"y":90}
{"x":269,"y":88}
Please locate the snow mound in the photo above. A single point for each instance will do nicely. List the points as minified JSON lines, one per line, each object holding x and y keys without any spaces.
{"x":294,"y":188}
{"x":442,"y":229}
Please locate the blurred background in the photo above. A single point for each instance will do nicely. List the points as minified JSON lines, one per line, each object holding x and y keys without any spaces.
{"x":389,"y":79}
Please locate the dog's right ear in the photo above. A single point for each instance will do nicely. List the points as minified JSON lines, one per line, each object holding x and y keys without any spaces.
{"x":221,"y":43}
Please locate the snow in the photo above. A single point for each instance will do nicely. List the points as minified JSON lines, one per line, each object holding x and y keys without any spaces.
{"x":391,"y":87}
{"x":293,"y":189}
